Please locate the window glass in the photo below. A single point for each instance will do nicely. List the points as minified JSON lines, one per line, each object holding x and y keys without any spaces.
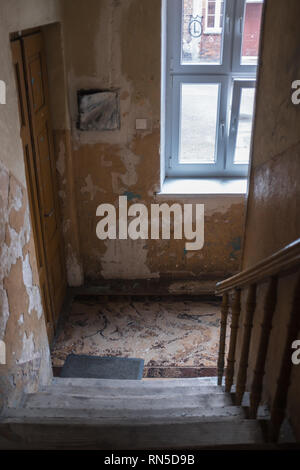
{"x":202,"y":32}
{"x":210,"y":84}
{"x":245,"y":122}
{"x":198,"y":123}
{"x":251,"y":32}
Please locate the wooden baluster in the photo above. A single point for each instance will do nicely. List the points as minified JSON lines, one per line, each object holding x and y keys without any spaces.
{"x":283,"y":383}
{"x":243,"y":366}
{"x":221,"y":357}
{"x":236,"y":309}
{"x":266,"y":327}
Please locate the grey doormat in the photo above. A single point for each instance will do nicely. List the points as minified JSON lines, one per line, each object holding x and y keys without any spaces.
{"x":96,"y":367}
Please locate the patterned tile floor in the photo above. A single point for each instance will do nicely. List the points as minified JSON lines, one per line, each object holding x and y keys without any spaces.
{"x":167,"y":333}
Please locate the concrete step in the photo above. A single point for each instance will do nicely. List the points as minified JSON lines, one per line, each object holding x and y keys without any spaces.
{"x":92,"y":433}
{"x":133,"y":384}
{"x":151,"y":401}
{"x":107,"y":412}
{"x":125,"y":391}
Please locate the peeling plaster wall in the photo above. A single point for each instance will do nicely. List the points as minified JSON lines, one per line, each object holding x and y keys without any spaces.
{"x":273,"y":219}
{"x":117,"y":44}
{"x":68,"y":206}
{"x":59,"y":106}
{"x":17,"y":15}
{"x":22,"y":323}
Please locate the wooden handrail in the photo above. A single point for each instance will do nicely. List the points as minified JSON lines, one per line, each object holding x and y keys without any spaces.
{"x":279,"y":263}
{"x":245,"y":284}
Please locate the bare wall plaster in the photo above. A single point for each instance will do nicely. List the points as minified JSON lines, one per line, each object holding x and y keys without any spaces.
{"x":22,"y":323}
{"x":123,"y":40}
{"x":273,"y":219}
{"x":17,"y":15}
{"x":274,"y":191}
{"x":59,"y":106}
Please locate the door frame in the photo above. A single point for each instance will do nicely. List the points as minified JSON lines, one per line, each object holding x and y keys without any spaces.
{"x":26,"y":134}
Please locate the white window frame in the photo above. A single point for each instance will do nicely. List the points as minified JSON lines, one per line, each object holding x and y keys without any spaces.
{"x":237,"y":67}
{"x":215,"y":29}
{"x":224,"y":73}
{"x":181,"y":169}
{"x":238,"y":86}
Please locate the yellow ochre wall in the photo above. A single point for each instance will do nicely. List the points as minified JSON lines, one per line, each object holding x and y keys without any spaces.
{"x":117,"y":44}
{"x":272,"y":215}
{"x":22,"y":322}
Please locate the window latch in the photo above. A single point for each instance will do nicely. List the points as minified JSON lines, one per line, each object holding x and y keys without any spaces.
{"x":241,"y":20}
{"x":170,"y":162}
{"x":171,"y":64}
{"x":233,"y":127}
{"x":228,"y":24}
{"x":222,"y":129}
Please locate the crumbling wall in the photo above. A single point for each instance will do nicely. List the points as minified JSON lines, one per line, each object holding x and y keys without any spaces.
{"x":111,"y":44}
{"x":22,"y":322}
{"x":59,"y":106}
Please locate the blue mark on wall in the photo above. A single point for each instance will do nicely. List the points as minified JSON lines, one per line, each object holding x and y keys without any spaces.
{"x":130,"y":196}
{"x":236,"y":244}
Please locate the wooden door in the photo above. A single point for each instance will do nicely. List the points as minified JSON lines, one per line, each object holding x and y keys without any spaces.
{"x":38,"y":101}
{"x":32,"y":185}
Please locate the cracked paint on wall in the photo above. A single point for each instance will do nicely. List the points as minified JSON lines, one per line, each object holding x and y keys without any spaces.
{"x":74,"y":269}
{"x":90,"y":188}
{"x":22,"y":323}
{"x":33,"y":291}
{"x":68,"y":210}
{"x":118,"y":258}
{"x":126,"y":161}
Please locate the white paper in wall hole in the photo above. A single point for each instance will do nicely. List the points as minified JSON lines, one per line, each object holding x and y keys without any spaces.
{"x":2,"y":352}
{"x":141,"y":124}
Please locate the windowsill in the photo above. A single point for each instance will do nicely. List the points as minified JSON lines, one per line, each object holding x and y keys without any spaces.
{"x":204,"y":186}
{"x":212,"y":31}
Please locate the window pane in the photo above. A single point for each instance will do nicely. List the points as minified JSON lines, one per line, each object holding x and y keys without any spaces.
{"x":199,"y":111}
{"x":202,"y":32}
{"x":210,"y":21}
{"x":242,"y":150}
{"x":211,"y":7}
{"x":251,"y":33}
{"x":221,"y":15}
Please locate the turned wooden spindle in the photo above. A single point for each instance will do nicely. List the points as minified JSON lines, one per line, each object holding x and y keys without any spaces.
{"x":221,"y":356}
{"x":280,"y":399}
{"x":266,"y":327}
{"x":248,"y":325}
{"x":236,"y":309}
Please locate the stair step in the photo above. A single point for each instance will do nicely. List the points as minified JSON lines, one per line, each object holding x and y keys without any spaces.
{"x":90,"y":433}
{"x":133,"y":384}
{"x":118,"y":413}
{"x":65,"y":400}
{"x":123,"y":391}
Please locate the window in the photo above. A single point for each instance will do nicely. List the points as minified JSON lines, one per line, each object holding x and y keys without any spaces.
{"x":214,"y":16}
{"x":212,"y":55}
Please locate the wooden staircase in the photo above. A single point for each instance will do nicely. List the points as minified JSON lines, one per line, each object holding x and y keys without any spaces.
{"x":129,"y":414}
{"x":269,"y":272}
{"x":178,"y":413}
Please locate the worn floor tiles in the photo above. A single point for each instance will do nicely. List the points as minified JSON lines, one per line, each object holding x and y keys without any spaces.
{"x":165,"y":333}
